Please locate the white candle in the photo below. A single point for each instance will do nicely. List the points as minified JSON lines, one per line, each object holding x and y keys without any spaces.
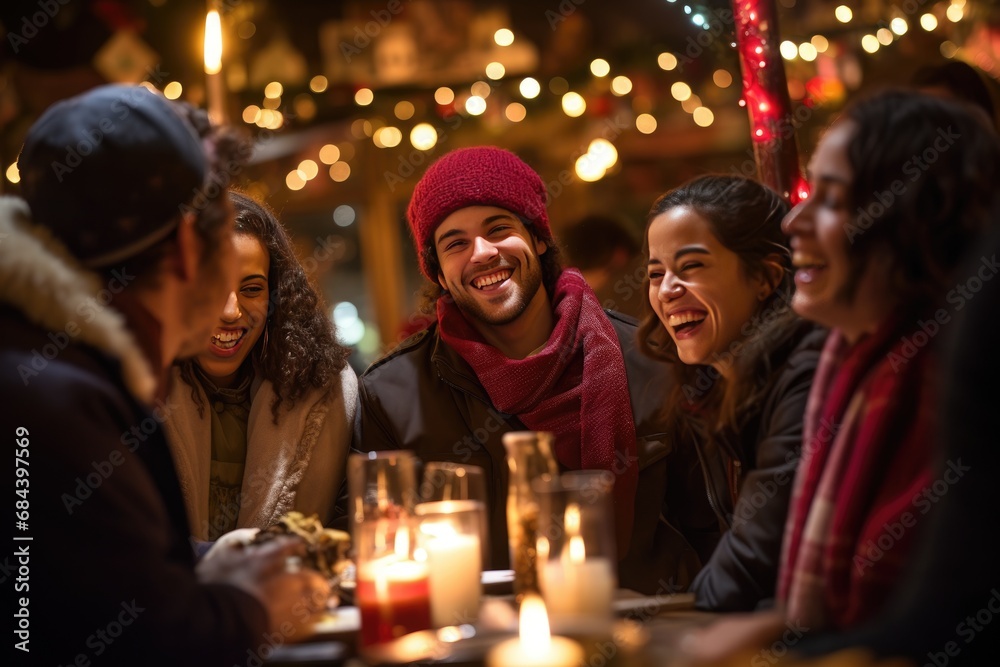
{"x":535,"y":647}
{"x":455,"y":565}
{"x":583,"y":588}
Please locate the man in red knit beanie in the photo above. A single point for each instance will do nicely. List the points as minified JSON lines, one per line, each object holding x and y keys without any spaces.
{"x":518,"y":344}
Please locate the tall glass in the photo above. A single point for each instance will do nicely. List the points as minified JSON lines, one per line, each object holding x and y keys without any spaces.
{"x":529,"y":457}
{"x":444,"y":480}
{"x":576,"y":545}
{"x":393,"y":586}
{"x":449,"y":537}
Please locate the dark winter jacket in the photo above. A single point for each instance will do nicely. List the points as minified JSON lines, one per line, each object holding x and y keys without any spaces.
{"x":424,"y":397}
{"x":108,"y":571}
{"x":749,"y":478}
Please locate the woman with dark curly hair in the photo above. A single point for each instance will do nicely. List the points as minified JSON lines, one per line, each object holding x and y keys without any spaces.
{"x":260,"y":422}
{"x":719,"y":286}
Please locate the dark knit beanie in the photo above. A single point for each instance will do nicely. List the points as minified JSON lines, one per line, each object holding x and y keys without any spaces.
{"x":478,"y":176}
{"x":107,"y":171}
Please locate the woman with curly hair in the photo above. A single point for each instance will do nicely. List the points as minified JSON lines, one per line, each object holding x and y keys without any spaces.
{"x":260,"y":422}
{"x":719,"y":287}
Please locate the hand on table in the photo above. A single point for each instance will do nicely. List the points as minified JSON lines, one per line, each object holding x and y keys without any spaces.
{"x":270,"y":572}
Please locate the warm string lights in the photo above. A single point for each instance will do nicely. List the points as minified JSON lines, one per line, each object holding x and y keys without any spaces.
{"x":517,"y":96}
{"x":765,"y":96}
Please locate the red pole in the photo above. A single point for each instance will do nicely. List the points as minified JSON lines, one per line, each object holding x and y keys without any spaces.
{"x":765,"y":94}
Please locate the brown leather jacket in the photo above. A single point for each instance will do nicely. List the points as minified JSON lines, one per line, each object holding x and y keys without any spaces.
{"x":424,"y":397}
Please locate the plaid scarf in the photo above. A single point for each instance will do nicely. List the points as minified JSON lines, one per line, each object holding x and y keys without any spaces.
{"x":855,"y":510}
{"x":575,"y":387}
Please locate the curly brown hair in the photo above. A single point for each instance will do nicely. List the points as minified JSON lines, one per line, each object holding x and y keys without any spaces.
{"x":299,"y":349}
{"x":745,"y":216}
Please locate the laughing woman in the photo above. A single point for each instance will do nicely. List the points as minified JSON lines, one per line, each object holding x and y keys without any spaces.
{"x":719,"y":289}
{"x":260,"y":423}
{"x":902,"y":184}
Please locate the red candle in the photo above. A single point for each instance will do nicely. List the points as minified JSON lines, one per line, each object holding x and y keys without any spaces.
{"x":393,"y":597}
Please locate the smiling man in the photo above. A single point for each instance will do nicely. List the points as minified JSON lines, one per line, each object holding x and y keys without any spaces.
{"x":521,"y":344}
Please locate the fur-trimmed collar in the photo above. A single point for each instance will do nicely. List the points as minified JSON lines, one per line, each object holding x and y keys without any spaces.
{"x":40,"y":278}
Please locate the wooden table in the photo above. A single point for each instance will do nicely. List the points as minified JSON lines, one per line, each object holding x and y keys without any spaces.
{"x":644,"y":633}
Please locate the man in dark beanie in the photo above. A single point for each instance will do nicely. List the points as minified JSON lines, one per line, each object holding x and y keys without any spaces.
{"x":521,"y":344}
{"x":117,"y":262}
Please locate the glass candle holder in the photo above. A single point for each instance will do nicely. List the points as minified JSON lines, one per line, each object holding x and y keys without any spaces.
{"x":448,"y":537}
{"x":381,"y":485}
{"x":393,"y":586}
{"x":444,"y":480}
{"x":529,"y":458}
{"x":576,"y":545}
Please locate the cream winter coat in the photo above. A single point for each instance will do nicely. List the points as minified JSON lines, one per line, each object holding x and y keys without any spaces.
{"x":297,"y":464}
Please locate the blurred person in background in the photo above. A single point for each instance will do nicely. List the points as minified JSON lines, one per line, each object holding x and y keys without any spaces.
{"x":607,"y":251}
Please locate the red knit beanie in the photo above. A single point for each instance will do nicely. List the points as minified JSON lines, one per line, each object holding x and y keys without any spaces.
{"x":477,"y":176}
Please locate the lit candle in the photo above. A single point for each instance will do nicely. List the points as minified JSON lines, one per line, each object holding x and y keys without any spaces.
{"x":535,"y":646}
{"x":393,"y":596}
{"x":573,"y":584}
{"x":455,"y":567}
{"x":213,"y":67}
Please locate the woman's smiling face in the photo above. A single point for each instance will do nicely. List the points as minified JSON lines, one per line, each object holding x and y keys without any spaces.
{"x":244,"y":317}
{"x":699,"y":289}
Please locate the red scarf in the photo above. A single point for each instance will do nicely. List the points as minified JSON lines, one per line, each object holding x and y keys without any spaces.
{"x":867,"y":456}
{"x":575,"y":387}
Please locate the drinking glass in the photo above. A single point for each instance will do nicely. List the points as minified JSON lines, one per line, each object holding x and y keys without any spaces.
{"x":576,"y":545}
{"x":444,"y":480}
{"x":393,"y":587}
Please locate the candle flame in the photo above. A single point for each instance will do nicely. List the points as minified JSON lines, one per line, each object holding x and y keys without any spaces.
{"x":572,"y":519}
{"x":577,"y":550}
{"x":402,"y":543}
{"x":533,"y":625}
{"x":213,"y":43}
